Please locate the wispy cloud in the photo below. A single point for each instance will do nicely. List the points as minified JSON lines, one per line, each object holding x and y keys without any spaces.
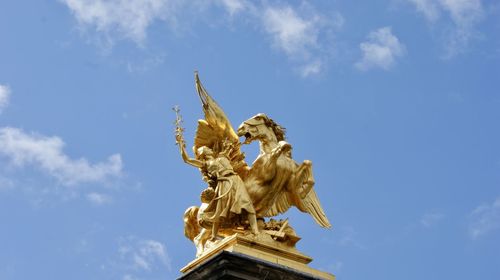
{"x":301,"y":32}
{"x":144,"y":64}
{"x":298,"y":35}
{"x":46,"y":153}
{"x":142,"y":256}
{"x":431,"y":219}
{"x":381,"y":50}
{"x":128,"y":19}
{"x":485,"y":219}
{"x":291,"y":33}
{"x":429,"y":8}
{"x":234,"y":7}
{"x":311,"y":68}
{"x":464,"y":15}
{"x":99,"y":198}
{"x":4,"y":97}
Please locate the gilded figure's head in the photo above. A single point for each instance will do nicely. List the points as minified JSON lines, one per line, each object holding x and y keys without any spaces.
{"x":205,"y":152}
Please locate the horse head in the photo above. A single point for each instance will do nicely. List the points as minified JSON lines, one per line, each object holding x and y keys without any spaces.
{"x":261,"y":128}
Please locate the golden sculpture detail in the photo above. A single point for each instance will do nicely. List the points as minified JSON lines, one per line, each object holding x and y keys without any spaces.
{"x":238,"y":197}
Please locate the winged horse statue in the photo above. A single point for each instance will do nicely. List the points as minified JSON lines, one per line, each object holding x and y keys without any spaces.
{"x":273,"y":183}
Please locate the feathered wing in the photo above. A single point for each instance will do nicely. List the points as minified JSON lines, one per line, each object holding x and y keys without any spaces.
{"x":216,"y":128}
{"x":310,"y":204}
{"x":293,"y":196}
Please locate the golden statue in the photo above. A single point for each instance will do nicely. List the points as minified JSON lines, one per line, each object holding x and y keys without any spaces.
{"x":239,"y":197}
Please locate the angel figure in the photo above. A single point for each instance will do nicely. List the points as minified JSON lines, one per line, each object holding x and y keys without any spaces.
{"x":231,"y":197}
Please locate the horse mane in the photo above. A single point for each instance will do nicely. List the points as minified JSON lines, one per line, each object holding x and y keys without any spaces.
{"x":278,"y":130}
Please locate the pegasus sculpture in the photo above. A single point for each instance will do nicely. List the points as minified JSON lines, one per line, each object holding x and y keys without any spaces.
{"x":239,"y":197}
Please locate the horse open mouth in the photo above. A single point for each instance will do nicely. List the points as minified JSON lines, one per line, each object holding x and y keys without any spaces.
{"x":248,"y":138}
{"x":245,"y":131}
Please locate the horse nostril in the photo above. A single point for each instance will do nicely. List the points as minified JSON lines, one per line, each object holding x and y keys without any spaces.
{"x":248,"y":135}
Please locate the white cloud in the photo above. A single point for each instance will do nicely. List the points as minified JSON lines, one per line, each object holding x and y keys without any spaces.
{"x":234,"y":7}
{"x":431,"y":219}
{"x":312,"y":68}
{"x":143,"y":255}
{"x":4,"y":97}
{"x":461,"y":12}
{"x":291,"y":33}
{"x":99,"y":198}
{"x":429,"y":8}
{"x":129,"y":277}
{"x":485,"y":219}
{"x":381,"y":50}
{"x":46,"y":153}
{"x":464,"y":14}
{"x":302,"y":33}
{"x":128,"y":18}
{"x":151,"y":251}
{"x":144,"y":64}
{"x":305,"y":37}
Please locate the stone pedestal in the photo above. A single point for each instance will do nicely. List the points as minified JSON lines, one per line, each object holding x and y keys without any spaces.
{"x":241,"y":257}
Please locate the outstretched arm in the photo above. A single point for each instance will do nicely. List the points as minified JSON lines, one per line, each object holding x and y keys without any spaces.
{"x":186,"y":158}
{"x":179,"y":140}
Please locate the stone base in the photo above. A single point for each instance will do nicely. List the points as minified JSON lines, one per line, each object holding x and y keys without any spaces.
{"x":244,"y":257}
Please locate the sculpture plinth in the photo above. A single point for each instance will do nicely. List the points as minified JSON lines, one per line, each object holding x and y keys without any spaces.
{"x":247,"y":257}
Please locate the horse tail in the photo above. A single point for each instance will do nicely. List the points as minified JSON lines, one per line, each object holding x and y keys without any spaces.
{"x":191,"y":227}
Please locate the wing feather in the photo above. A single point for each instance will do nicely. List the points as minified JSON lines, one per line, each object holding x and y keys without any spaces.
{"x":214,"y":115}
{"x":205,"y":135}
{"x":311,"y":205}
{"x":294,"y":196}
{"x":280,"y":206}
{"x":216,"y":128}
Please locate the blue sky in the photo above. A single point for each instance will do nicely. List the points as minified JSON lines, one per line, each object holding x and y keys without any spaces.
{"x":396,"y":102}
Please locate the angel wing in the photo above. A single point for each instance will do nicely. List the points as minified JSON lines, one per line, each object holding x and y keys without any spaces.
{"x":306,"y":202}
{"x":216,"y":130}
